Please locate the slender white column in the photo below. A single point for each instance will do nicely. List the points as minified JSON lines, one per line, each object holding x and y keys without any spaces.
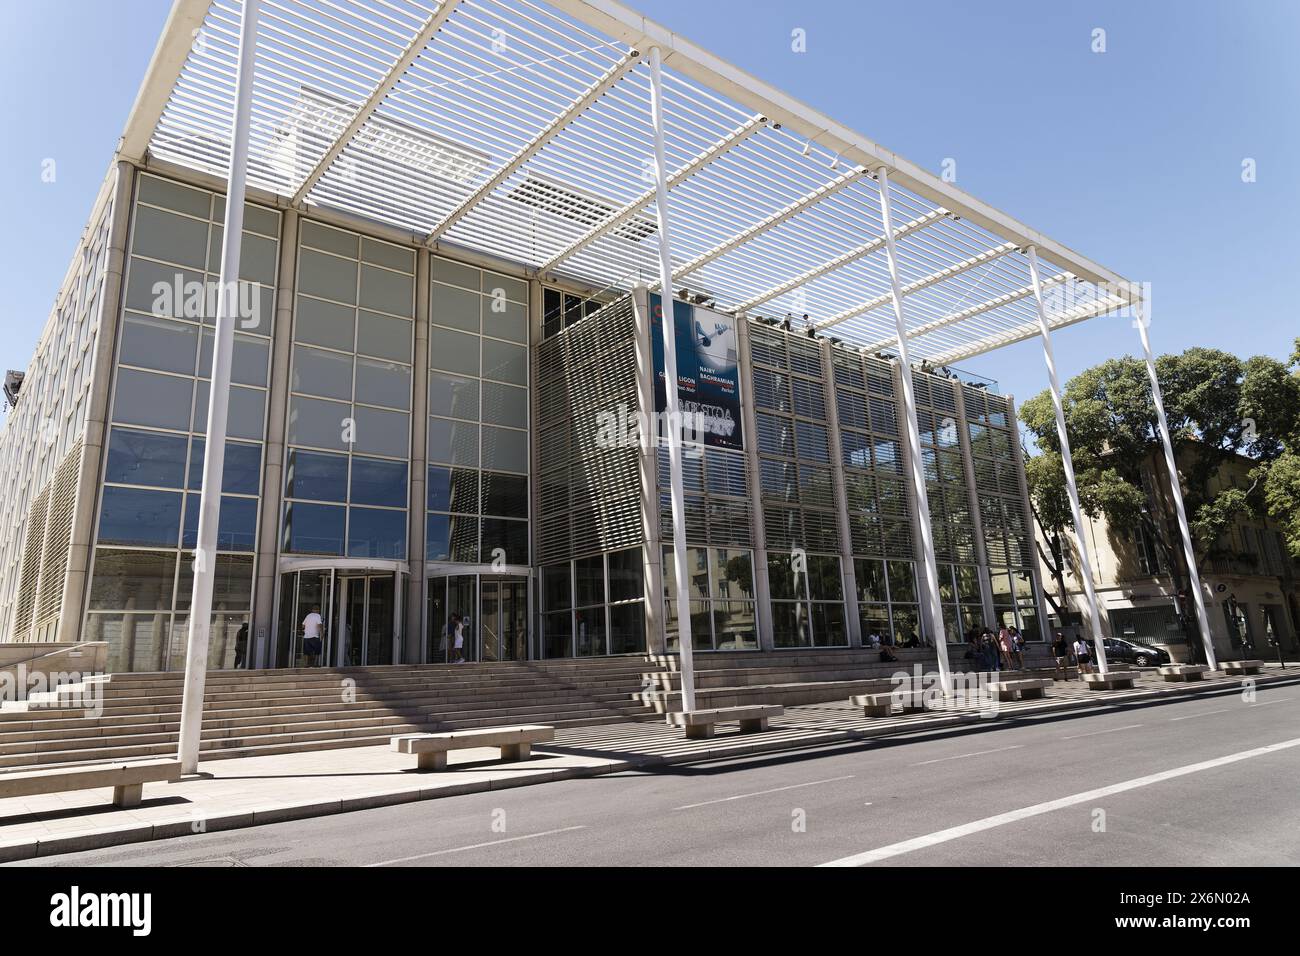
{"x":929,"y":570}
{"x":1194,"y":582}
{"x":1085,"y":559}
{"x":674,"y":429}
{"x":196,"y":657}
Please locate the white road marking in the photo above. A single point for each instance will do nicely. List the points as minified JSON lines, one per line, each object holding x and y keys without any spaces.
{"x":1015,"y":816}
{"x":1113,"y":730}
{"x":1204,"y":713}
{"x":759,"y":793}
{"x":476,"y":846}
{"x":978,"y":753}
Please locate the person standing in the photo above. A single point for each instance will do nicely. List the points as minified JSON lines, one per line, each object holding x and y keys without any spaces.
{"x":311,"y":635}
{"x":449,"y":636}
{"x":241,"y":645}
{"x":459,"y":639}
{"x":1018,"y":647}
{"x":1061,"y":651}
{"x":1082,"y":656}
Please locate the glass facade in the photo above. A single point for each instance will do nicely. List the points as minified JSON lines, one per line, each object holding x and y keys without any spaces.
{"x":594,"y":606}
{"x":347,"y":460}
{"x":477,"y":509}
{"x":141,"y":577}
{"x":720,"y":582}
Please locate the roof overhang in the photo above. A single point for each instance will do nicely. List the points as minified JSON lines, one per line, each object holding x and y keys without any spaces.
{"x":517,"y":131}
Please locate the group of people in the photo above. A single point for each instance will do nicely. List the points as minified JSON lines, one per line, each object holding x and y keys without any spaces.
{"x":1080,"y":653}
{"x":874,"y":640}
{"x":1004,"y":650}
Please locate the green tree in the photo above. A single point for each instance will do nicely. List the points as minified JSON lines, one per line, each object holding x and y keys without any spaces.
{"x":1215,"y":403}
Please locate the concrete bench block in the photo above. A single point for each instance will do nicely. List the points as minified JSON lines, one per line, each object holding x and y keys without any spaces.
{"x":430,"y":750}
{"x":1183,"y":672}
{"x":1241,"y":667}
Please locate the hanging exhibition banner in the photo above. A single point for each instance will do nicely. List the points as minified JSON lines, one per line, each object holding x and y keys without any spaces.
{"x":708,"y":371}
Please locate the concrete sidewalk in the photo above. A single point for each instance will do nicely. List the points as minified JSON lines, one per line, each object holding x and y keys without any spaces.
{"x":249,"y":791}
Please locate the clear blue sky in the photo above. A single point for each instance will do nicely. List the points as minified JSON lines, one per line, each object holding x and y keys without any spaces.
{"x":1132,"y":157}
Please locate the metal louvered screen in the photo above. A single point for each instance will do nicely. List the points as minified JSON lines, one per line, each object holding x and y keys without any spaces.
{"x":58,"y":534}
{"x":951,"y":522}
{"x":29,"y":576}
{"x":588,"y":483}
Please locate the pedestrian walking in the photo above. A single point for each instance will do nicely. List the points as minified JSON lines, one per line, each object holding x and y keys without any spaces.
{"x":311,"y":635}
{"x":1061,"y":651}
{"x":1082,"y":656}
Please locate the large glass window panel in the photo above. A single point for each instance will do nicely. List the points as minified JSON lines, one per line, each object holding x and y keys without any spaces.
{"x":557,"y":634}
{"x":315,"y":475}
{"x":701,"y":626}
{"x":505,"y":449}
{"x":386,"y":291}
{"x":232,"y":583}
{"x":451,"y":351}
{"x":1001,"y":581}
{"x":456,"y":308}
{"x":463,"y":535}
{"x":627,"y":628}
{"x":313,"y":529}
{"x":165,"y":235}
{"x":236,"y":524}
{"x":241,"y":468}
{"x":376,"y":533}
{"x":556,"y":581}
{"x":505,"y":538}
{"x":734,"y":626}
{"x":790,"y":625}
{"x":132,"y":580}
{"x":145,"y":458}
{"x":505,"y":362}
{"x":383,"y":383}
{"x":183,"y":199}
{"x":697,"y":573}
{"x":437,"y":538}
{"x":326,"y":323}
{"x":321,"y":373}
{"x":320,"y":236}
{"x":505,"y":495}
{"x":136,"y":642}
{"x":902,"y":582}
{"x":625,"y":575}
{"x":378,"y":482}
{"x":787,"y":578}
{"x":452,"y":489}
{"x":152,"y":288}
{"x":387,"y":255}
{"x":503,"y":319}
{"x":874,"y":619}
{"x":589,"y":580}
{"x":968,"y":583}
{"x":245,"y":411}
{"x":146,"y":398}
{"x":828,"y":625}
{"x":505,"y":405}
{"x":453,"y":443}
{"x":824,"y":582}
{"x":732,"y":573}
{"x":162,"y":344}
{"x":907,"y":628}
{"x":384,"y":336}
{"x":137,"y":516}
{"x":453,"y":395}
{"x":380,"y":432}
{"x":248,"y":359}
{"x":455,"y":273}
{"x":327,"y":276}
{"x":870,"y":578}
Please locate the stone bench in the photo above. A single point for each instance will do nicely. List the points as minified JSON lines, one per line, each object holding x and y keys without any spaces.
{"x":1183,"y":672}
{"x":1112,"y":680}
{"x":127,"y":779}
{"x":1241,"y":667}
{"x":699,"y":723}
{"x":882,"y":705}
{"x":1034,"y":687}
{"x":431,"y":750}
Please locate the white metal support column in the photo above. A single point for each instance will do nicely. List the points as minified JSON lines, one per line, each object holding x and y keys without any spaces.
{"x":673,"y":431}
{"x":929,"y":569}
{"x":1194,"y":577}
{"x":196,"y":658}
{"x":1067,"y":462}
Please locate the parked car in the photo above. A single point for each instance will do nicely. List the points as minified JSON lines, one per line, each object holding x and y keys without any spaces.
{"x":1118,"y":649}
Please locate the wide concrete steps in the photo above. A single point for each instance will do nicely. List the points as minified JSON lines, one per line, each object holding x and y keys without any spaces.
{"x":252,"y":712}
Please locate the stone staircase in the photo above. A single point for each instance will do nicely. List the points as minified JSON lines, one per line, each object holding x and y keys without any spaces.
{"x":251,"y":713}
{"x":792,"y":677}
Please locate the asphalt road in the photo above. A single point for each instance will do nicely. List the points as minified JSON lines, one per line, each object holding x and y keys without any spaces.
{"x":1211,"y":780}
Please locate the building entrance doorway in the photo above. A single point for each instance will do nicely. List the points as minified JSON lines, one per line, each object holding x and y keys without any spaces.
{"x":360,"y":617}
{"x":492,"y":611}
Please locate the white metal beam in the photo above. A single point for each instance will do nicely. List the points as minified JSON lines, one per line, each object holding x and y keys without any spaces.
{"x":169,"y":56}
{"x":553,"y":129}
{"x":923,"y":283}
{"x":629,"y":211}
{"x":1175,"y":487}
{"x":801,"y":204}
{"x":1067,"y":463}
{"x":929,"y":568}
{"x":412,"y":52}
{"x":842,"y":260}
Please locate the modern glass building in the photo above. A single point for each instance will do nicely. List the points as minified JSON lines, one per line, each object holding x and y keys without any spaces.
{"x":447,"y":380}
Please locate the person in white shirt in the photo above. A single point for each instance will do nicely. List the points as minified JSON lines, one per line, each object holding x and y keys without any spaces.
{"x":1082,"y":656}
{"x":311,"y":635}
{"x":460,"y":639}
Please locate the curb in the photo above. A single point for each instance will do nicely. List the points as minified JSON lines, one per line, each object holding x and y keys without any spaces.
{"x":95,"y":839}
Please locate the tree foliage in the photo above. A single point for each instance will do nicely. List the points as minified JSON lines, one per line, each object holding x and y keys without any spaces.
{"x":1225,"y":405}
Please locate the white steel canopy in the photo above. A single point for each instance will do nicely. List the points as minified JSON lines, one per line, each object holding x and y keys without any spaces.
{"x":520,"y":130}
